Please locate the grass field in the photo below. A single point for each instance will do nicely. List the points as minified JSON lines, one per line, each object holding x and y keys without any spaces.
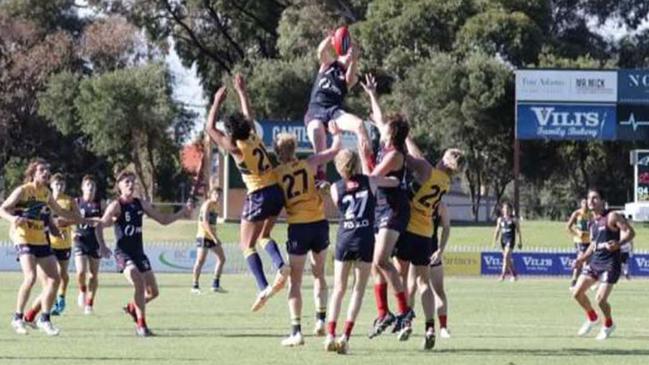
{"x":536,"y":234}
{"x":528,"y":322}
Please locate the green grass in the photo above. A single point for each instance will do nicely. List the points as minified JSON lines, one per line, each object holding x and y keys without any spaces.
{"x":536,"y":234}
{"x":533,"y":321}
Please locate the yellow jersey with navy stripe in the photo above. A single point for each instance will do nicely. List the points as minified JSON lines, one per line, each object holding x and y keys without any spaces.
{"x":256,"y":167}
{"x":33,"y":206}
{"x":64,"y":242}
{"x":424,"y":201}
{"x":209,"y":212}
{"x":581,"y":223}
{"x":302,"y":200}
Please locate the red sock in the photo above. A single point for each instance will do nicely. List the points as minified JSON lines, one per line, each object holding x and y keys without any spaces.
{"x":592,"y":315}
{"x":349,"y":325}
{"x":30,"y":316}
{"x":331,"y":328}
{"x":141,"y":322}
{"x":442,"y":321}
{"x":381,"y":296}
{"x":90,"y":301}
{"x":83,"y":288}
{"x":402,"y":302}
{"x":608,"y":322}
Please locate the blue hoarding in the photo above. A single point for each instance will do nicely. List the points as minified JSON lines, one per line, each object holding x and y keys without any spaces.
{"x":550,"y":264}
{"x":566,"y":121}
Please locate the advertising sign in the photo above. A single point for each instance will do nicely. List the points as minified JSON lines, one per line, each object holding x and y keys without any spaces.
{"x":566,"y":85}
{"x":566,"y":122}
{"x":633,"y":86}
{"x":462,"y":263}
{"x":642,"y":177}
{"x":633,"y":122}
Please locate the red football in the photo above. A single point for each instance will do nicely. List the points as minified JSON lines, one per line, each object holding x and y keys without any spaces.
{"x":341,"y":40}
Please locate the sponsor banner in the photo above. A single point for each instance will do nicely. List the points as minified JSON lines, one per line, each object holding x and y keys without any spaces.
{"x":567,"y":85}
{"x":566,"y":122}
{"x":633,"y":122}
{"x":639,"y":265}
{"x":633,"y":86}
{"x":462,"y":263}
{"x":9,"y":260}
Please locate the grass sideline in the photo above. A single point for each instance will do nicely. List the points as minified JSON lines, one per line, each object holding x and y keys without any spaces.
{"x":533,"y":321}
{"x":536,"y":234}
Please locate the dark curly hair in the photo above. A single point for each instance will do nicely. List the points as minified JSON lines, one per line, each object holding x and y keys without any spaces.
{"x":237,"y":126}
{"x":399,"y":128}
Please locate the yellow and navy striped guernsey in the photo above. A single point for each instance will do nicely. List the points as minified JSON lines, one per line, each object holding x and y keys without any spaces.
{"x":209,"y":212}
{"x":303,"y":202}
{"x":65,"y":242}
{"x":581,"y":223}
{"x":424,"y":200}
{"x":256,"y":167}
{"x":32,"y":205}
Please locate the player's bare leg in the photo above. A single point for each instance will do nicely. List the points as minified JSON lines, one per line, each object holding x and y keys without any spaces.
{"x":341,"y":275}
{"x":51,"y":280}
{"x":603,"y":292}
{"x":437,"y":283}
{"x":579,"y":294}
{"x":137,"y":308}
{"x":201,"y":256}
{"x":361,"y":276}
{"x":296,"y":263}
{"x":320,"y":290}
{"x":425,"y":290}
{"x":317,"y":134}
{"x":93,"y":284}
{"x":218,"y":268}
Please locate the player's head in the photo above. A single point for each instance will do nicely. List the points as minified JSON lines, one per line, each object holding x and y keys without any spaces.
{"x":214,"y":194}
{"x":583,"y":204}
{"x":453,"y":160}
{"x":595,"y":199}
{"x":88,"y":187}
{"x":125,"y":182}
{"x":237,"y":126}
{"x":397,"y":131}
{"x":506,"y":209}
{"x":38,"y":171}
{"x":285,"y":144}
{"x":347,"y":163}
{"x":57,"y":183}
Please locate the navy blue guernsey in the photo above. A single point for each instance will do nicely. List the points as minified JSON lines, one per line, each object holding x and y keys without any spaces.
{"x":330,"y":86}
{"x":600,"y":233}
{"x":128,"y":228}
{"x":88,"y":209}
{"x":508,"y":230}
{"x":356,"y":206}
{"x":395,"y":196}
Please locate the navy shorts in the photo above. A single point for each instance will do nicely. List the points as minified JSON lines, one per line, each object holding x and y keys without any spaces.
{"x":263,"y":203}
{"x":581,"y":247}
{"x":625,"y":257}
{"x":38,"y":251}
{"x":322,"y":113}
{"x":202,"y":242}
{"x":414,"y":248}
{"x":355,"y":249}
{"x":62,"y":254}
{"x":604,"y":273}
{"x":305,"y":237}
{"x":392,"y":217}
{"x":507,"y":244}
{"x":141,"y":262}
{"x":86,"y":246}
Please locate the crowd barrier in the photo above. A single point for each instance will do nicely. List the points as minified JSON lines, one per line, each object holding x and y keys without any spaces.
{"x":178,"y":257}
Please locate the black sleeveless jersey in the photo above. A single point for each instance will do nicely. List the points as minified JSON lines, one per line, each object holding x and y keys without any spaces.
{"x":330,"y":86}
{"x":88,"y":209}
{"x":393,"y":196}
{"x":128,"y":228}
{"x":600,"y":234}
{"x":356,"y":206}
{"x":507,"y":230}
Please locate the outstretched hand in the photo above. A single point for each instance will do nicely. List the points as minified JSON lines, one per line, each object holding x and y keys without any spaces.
{"x":220,"y":94}
{"x":370,"y":84}
{"x":239,"y":83}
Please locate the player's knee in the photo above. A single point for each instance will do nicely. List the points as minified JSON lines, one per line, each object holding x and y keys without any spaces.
{"x":153,"y":292}
{"x":29,"y":280}
{"x":339,"y":291}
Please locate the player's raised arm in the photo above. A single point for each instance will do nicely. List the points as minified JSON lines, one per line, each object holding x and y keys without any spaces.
{"x":370,"y":89}
{"x":324,"y":52}
{"x":351,"y":74}
{"x":244,"y":99}
{"x":166,"y":219}
{"x":216,"y":135}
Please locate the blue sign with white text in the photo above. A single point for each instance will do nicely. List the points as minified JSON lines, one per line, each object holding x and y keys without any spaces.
{"x":566,"y":122}
{"x":633,"y":86}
